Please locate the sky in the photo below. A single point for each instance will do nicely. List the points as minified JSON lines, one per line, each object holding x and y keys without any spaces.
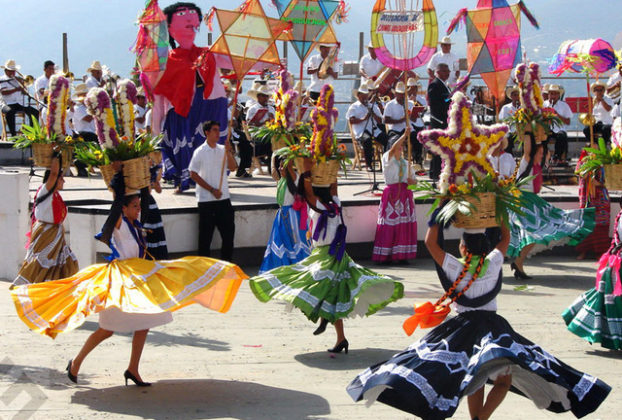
{"x":104,"y":30}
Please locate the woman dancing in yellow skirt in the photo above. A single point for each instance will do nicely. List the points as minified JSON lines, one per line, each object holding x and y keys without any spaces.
{"x":130,"y":293}
{"x":48,"y":256}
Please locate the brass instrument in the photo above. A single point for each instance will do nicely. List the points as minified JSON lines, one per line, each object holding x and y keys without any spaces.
{"x":69,"y":75}
{"x":328,"y":62}
{"x":25,"y":81}
{"x":586,"y":119}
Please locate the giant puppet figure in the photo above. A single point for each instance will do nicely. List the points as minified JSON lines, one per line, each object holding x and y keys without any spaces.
{"x":188,"y":93}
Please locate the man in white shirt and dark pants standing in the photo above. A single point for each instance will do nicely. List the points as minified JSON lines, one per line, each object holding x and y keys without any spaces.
{"x":212,"y":191}
{"x":445,"y":56}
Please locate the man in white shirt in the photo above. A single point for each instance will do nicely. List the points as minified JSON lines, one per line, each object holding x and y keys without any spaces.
{"x":140,"y":111}
{"x":558,"y":135}
{"x":14,"y":94}
{"x":313,"y":68}
{"x":208,"y":169}
{"x":95,"y":79}
{"x":365,"y":118}
{"x":42,"y":82}
{"x":602,"y":113}
{"x":447,"y":57}
{"x":83,"y":122}
{"x":369,"y":66}
{"x":508,"y":111}
{"x":420,"y":103}
{"x":614,"y":84}
{"x":256,"y":116}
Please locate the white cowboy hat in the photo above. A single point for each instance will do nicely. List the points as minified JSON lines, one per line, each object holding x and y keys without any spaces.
{"x":412,"y":81}
{"x":79,"y":92}
{"x":325,"y":45}
{"x":363,"y":89}
{"x":95,"y":65}
{"x":510,"y":89}
{"x":10,"y":65}
{"x":597,"y":84}
{"x":557,"y":88}
{"x":263,"y":90}
{"x":140,"y":92}
{"x":400,"y":88}
{"x":446,"y":40}
{"x":370,"y":45}
{"x":545,"y":88}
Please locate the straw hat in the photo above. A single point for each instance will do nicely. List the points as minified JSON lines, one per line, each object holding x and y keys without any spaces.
{"x":511,"y":89}
{"x":446,"y":40}
{"x":556,"y":88}
{"x":412,"y":81}
{"x":370,"y":45}
{"x":400,"y":88}
{"x":545,"y":88}
{"x":79,"y":92}
{"x":140,"y":92}
{"x":10,"y":65}
{"x":363,"y":89}
{"x":95,"y":65}
{"x":597,"y":84}
{"x":324,"y":44}
{"x":263,"y":90}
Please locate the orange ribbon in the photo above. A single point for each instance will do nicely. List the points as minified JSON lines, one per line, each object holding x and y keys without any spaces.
{"x":426,"y":315}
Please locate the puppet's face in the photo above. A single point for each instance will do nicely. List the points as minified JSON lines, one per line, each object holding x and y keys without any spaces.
{"x":184,"y":25}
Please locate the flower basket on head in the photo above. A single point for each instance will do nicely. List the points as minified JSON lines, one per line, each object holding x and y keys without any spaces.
{"x":279,"y":141}
{"x":324,"y":173}
{"x":135,"y":174}
{"x":42,"y":154}
{"x":483,"y":214}
{"x":613,"y":176}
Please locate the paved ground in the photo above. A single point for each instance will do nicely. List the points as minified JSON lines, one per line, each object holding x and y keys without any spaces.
{"x":259,"y":362}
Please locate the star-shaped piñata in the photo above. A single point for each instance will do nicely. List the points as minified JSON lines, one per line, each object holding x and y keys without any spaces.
{"x":463,"y":146}
{"x":248,"y":38}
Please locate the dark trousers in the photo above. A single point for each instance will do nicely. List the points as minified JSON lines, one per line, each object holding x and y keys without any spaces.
{"x":245,"y":149}
{"x":416,"y":147}
{"x":15,"y":108}
{"x":435,"y":163}
{"x":367,"y":141}
{"x":561,"y":144}
{"x":511,"y":141}
{"x":216,"y":214}
{"x":92,"y":138}
{"x":599,"y":128}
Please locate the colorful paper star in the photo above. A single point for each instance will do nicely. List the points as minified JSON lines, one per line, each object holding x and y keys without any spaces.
{"x":249,"y":37}
{"x":463,"y":146}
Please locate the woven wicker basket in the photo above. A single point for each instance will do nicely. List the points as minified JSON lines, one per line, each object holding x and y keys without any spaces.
{"x":135,"y":173}
{"x":278,"y":142}
{"x":299,"y":162}
{"x":613,"y":177}
{"x":324,"y":173}
{"x":483,"y":216}
{"x":42,"y":155}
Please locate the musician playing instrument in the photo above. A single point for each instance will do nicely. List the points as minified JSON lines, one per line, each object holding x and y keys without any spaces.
{"x":365,"y":119}
{"x":256,"y":116}
{"x":369,"y":66}
{"x":14,"y":93}
{"x":96,"y":78}
{"x":508,"y":111}
{"x":614,"y":84}
{"x":602,"y":106}
{"x":558,"y":135}
{"x":313,"y":70}
{"x":416,"y":122}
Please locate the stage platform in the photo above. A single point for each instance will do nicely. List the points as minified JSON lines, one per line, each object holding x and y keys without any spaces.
{"x":255,"y":206}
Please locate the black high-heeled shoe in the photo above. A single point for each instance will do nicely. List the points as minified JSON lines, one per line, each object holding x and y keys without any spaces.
{"x":128,"y":375}
{"x":322,"y":327}
{"x":343,"y":345}
{"x":519,"y":274}
{"x":73,"y":378}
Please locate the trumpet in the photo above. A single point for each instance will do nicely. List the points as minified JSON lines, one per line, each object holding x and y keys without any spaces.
{"x":587,"y":120}
{"x":69,"y":75}
{"x":25,"y":81}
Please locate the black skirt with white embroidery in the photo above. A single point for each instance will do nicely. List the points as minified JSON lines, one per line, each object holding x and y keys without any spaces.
{"x":459,"y":356}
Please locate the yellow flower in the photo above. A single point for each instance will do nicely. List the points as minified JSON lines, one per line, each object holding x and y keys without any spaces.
{"x":464,"y":189}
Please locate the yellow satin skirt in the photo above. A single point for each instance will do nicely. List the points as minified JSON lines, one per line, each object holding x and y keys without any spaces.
{"x":134,"y":285}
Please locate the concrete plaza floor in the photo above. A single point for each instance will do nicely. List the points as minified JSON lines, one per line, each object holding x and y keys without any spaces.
{"x":260,"y":362}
